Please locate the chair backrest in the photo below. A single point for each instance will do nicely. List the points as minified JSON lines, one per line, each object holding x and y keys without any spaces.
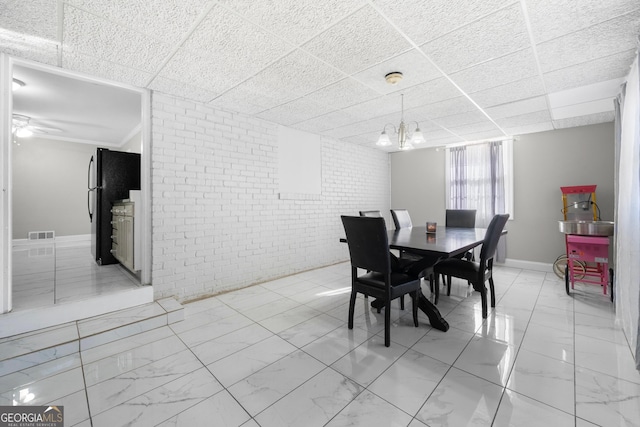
{"x":401,"y":218}
{"x":463,"y":218}
{"x":371,"y":214}
{"x":494,"y":231}
{"x":368,"y":243}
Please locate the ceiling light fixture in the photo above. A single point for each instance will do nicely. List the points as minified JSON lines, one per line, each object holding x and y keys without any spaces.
{"x":405,"y":139}
{"x":16,"y":84}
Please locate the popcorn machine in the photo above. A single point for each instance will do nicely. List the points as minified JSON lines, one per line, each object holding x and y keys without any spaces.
{"x":586,"y":239}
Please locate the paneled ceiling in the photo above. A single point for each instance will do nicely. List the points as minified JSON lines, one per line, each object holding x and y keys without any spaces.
{"x":473,"y":69}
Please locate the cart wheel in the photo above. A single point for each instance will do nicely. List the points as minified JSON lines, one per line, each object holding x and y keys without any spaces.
{"x":611,"y":283}
{"x":566,"y":280}
{"x":560,"y":265}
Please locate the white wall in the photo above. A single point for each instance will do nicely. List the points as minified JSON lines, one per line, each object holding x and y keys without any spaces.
{"x":218,"y":222}
{"x":542,"y":163}
{"x":50,"y":187}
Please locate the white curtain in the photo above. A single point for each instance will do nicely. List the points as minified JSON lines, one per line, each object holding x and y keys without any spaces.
{"x":627,"y":250}
{"x":479,"y":178}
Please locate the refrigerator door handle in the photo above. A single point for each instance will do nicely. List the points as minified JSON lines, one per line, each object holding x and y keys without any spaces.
{"x":89,"y":175}
{"x":89,"y":190}
{"x":89,"y":205}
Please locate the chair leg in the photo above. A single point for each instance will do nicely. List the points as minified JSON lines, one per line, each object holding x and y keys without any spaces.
{"x":448,"y":285}
{"x":483,"y":297}
{"x":493,"y":292}
{"x":387,"y":324}
{"x":414,"y":307}
{"x":402,"y":302}
{"x":352,"y":305}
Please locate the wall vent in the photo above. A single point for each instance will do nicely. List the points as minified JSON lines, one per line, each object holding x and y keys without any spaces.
{"x":41,"y":235}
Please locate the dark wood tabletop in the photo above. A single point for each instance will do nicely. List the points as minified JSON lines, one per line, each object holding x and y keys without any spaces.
{"x":446,"y":241}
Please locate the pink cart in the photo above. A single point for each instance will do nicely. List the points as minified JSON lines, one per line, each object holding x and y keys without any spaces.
{"x":587,"y":240}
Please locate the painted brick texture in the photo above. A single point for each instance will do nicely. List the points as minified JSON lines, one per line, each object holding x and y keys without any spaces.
{"x":218,"y":222}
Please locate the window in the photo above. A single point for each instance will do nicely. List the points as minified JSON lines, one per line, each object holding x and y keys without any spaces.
{"x":480,"y":176}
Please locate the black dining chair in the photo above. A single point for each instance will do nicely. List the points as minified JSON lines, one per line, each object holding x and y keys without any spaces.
{"x":476,"y":273}
{"x":371,"y":214}
{"x":460,"y":218}
{"x":369,"y":250}
{"x":401,"y":218}
{"x":410,"y":261}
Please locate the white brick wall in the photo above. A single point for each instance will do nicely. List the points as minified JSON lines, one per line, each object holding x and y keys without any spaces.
{"x":218,"y":223}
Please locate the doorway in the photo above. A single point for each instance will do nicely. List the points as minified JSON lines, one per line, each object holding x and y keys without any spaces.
{"x":58,"y":120}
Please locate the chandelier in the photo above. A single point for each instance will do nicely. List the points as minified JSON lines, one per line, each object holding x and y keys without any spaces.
{"x":406,"y":139}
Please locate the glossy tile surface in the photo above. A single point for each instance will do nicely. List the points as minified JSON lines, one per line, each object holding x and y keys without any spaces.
{"x":280,"y":354}
{"x":50,"y":273}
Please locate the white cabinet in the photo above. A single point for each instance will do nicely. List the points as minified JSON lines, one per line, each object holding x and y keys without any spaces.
{"x":122,"y":236}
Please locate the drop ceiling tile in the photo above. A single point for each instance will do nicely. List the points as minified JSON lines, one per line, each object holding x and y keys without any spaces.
{"x":484,"y":135}
{"x":605,"y":39}
{"x":181,"y":90}
{"x":468,"y":130}
{"x":296,"y":74}
{"x":332,"y":120}
{"x":511,"y":92}
{"x":554,"y":18}
{"x":29,"y":47}
{"x":36,"y":18}
{"x":372,"y":127}
{"x":499,"y":71}
{"x":240,"y":48}
{"x":294,"y":112}
{"x":424,"y":21}
{"x":591,"y":119}
{"x":439,"y":142}
{"x":85,"y":33}
{"x":414,"y":66}
{"x":248,"y":98}
{"x":444,"y":108}
{"x":438,"y":135}
{"x":521,"y":130}
{"x":108,"y":70}
{"x":542,"y":116}
{"x":199,"y":70}
{"x":428,"y":93}
{"x":358,"y":42}
{"x":294,"y":21}
{"x":379,"y":106}
{"x":458,"y":120}
{"x":598,"y":70}
{"x":168,"y":21}
{"x":342,"y":94}
{"x":517,"y":108}
{"x":491,"y":37}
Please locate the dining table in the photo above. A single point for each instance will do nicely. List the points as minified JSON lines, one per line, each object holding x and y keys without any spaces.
{"x":445,"y":242}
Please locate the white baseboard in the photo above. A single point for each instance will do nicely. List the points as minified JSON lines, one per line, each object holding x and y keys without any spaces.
{"x":528,"y":265}
{"x":60,"y":241}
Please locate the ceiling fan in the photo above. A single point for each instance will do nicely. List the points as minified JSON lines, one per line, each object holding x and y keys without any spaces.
{"x":22,"y":127}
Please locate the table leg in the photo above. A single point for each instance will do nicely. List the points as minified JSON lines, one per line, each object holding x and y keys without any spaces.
{"x":435,"y":318}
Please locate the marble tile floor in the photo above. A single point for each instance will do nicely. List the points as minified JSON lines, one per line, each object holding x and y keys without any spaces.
{"x":49,"y":273}
{"x":280,"y":354}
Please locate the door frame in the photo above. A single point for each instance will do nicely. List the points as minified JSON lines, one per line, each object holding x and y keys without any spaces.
{"x":6,"y":103}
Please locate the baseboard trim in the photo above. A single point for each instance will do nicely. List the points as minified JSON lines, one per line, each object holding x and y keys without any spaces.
{"x":60,"y":241}
{"x":528,"y":265}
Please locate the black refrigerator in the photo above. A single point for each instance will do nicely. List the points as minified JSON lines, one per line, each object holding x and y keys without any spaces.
{"x":111,"y":175}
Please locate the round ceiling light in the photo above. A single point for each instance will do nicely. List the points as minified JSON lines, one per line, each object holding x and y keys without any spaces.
{"x":393,"y":77}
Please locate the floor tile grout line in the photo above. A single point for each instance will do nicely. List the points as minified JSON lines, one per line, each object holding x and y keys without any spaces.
{"x":84,"y":378}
